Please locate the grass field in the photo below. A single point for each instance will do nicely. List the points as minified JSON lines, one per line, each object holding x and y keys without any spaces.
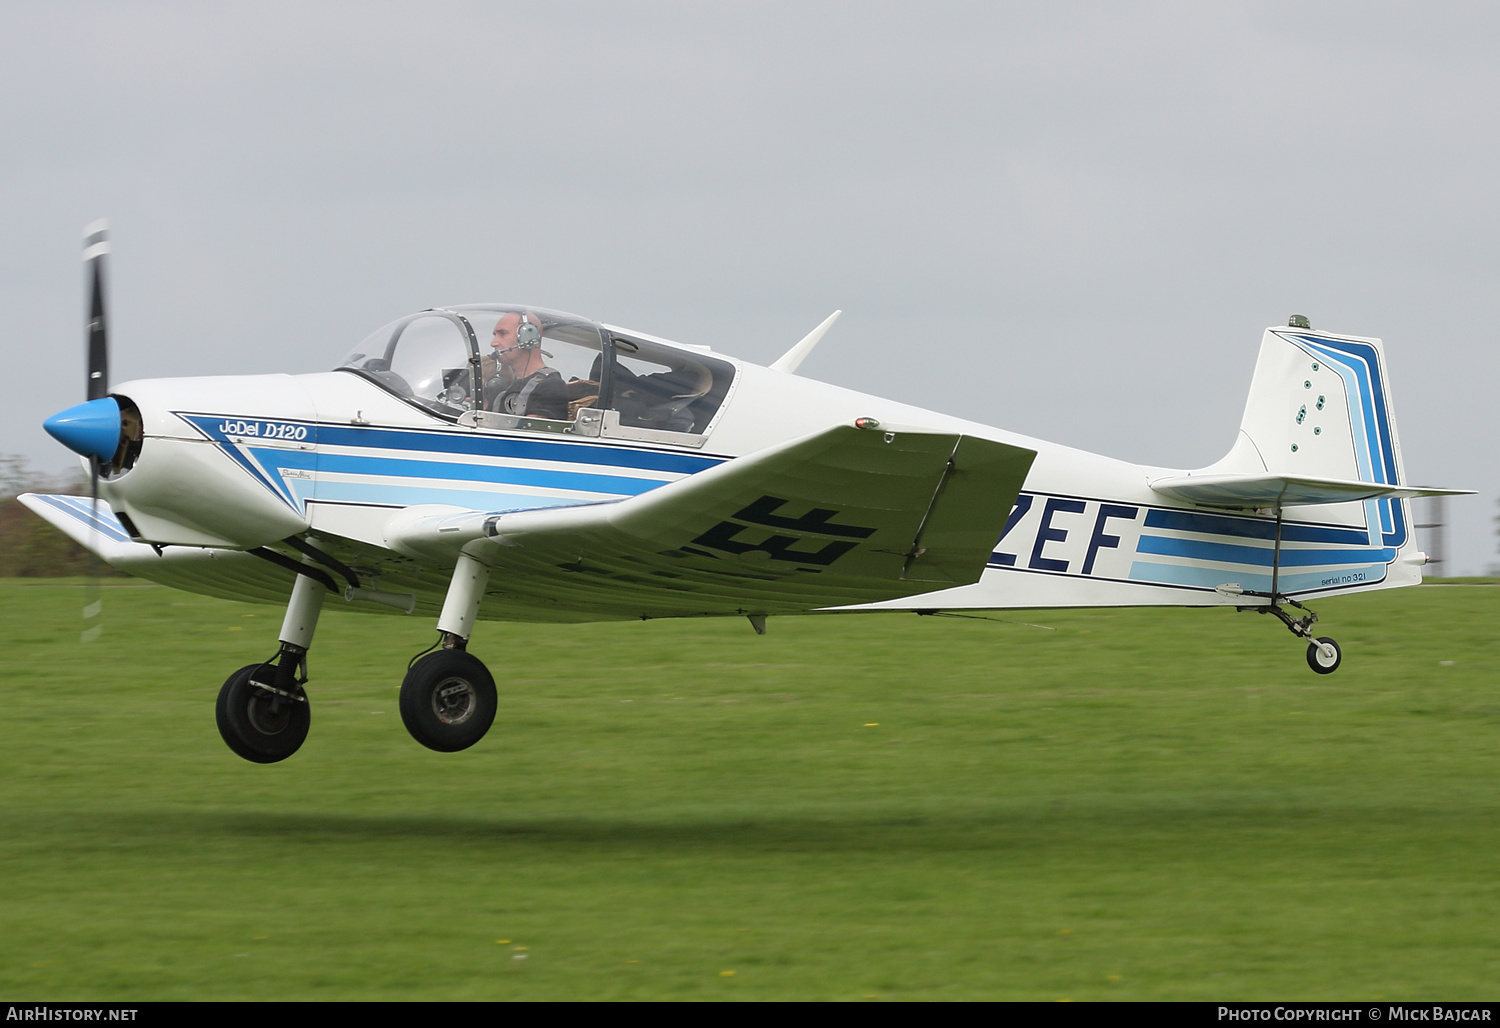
{"x":1136,"y":804}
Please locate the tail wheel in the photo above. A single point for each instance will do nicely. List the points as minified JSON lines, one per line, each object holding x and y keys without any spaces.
{"x":1324,"y":656}
{"x":259,"y":723}
{"x":448,"y":701}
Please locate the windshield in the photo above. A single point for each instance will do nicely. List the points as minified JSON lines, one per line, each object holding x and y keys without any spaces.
{"x":427,"y":359}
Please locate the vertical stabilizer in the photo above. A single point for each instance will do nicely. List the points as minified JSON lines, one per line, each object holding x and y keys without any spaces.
{"x":1320,"y":407}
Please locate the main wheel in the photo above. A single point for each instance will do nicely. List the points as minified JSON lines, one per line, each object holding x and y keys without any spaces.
{"x":448,"y":701}
{"x":1322,"y":661}
{"x":260,"y":725}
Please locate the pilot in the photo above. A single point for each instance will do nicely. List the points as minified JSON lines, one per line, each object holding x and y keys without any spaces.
{"x":517,"y":379}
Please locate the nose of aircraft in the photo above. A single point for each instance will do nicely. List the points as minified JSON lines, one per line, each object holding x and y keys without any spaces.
{"x":91,"y":428}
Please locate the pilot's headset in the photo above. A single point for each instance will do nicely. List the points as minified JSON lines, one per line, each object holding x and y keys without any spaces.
{"x":528,"y":334}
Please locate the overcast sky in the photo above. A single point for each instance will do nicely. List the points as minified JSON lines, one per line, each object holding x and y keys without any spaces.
{"x":1069,"y":220}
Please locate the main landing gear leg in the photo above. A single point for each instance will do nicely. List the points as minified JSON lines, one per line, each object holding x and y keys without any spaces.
{"x":1323,"y":654}
{"x":263,"y":711}
{"x":448,"y":698}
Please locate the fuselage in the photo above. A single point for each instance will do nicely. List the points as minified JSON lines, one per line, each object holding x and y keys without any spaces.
{"x":238,"y":462}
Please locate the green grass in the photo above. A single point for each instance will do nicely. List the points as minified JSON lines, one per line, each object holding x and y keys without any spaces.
{"x":1139,"y":804}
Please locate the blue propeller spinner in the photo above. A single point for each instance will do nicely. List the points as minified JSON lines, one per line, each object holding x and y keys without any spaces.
{"x":91,"y":428}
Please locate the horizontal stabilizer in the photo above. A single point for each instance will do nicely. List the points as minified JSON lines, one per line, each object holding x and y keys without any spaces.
{"x":1254,"y":491}
{"x":842,"y":516}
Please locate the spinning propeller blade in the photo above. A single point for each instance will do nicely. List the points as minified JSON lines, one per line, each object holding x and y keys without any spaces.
{"x":95,"y":247}
{"x":94,"y":429}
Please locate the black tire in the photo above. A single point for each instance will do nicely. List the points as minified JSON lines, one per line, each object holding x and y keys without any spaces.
{"x":254,"y":725}
{"x":448,"y":701}
{"x":1318,"y":662}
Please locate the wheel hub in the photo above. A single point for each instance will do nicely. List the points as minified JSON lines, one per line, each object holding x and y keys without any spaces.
{"x":268,"y":715}
{"x":454,"y":701}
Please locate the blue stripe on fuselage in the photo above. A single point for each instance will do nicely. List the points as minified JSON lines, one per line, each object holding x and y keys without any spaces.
{"x":1219,"y":524}
{"x":490,"y":467}
{"x":1228,"y":553}
{"x":476,"y":445}
{"x":1255,"y":582}
{"x":501,"y":474}
{"x":381,"y":495}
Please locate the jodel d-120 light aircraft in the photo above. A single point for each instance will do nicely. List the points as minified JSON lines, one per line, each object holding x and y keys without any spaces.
{"x":514,"y":463}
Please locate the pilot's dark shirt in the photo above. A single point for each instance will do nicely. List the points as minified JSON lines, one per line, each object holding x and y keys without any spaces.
{"x":547,"y":398}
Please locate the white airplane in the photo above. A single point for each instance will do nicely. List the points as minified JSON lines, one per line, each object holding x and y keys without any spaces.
{"x":506,"y":462}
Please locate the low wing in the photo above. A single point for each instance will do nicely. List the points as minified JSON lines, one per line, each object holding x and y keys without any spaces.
{"x":1254,"y":491}
{"x":841,"y":517}
{"x":230,"y":574}
{"x":94,"y":527}
{"x":844,"y":516}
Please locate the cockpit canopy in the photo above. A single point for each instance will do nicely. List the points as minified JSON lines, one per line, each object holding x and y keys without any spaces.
{"x":450,"y":361}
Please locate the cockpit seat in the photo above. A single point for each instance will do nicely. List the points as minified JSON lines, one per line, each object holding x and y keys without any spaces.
{"x":582,"y":393}
{"x":663,"y":400}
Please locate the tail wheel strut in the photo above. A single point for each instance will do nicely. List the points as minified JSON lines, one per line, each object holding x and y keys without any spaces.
{"x":1323,"y":654}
